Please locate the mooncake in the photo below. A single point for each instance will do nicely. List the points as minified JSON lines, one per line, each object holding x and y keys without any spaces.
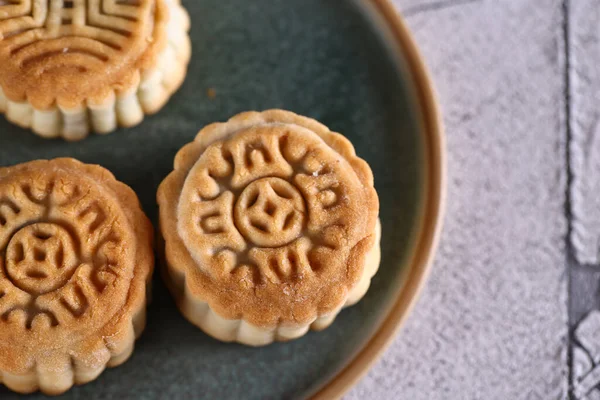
{"x":70,"y":67}
{"x":75,"y":262}
{"x":270,"y":227}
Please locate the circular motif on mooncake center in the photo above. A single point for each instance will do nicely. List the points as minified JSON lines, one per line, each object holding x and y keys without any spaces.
{"x":41,"y":258}
{"x":270,"y":212}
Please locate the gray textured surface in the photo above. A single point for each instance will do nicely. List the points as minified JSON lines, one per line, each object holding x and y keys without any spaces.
{"x":587,"y":334}
{"x":412,"y":7}
{"x":585,"y":124}
{"x":492,"y":321}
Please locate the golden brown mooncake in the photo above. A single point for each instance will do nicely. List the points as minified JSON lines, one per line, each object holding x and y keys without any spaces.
{"x":270,"y":223}
{"x":75,"y":261}
{"x":74,"y":66}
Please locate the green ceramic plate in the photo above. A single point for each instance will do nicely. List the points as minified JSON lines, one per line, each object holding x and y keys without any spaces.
{"x":349,"y":64}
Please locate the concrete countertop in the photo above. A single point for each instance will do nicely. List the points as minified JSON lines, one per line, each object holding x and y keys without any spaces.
{"x":508,"y":312}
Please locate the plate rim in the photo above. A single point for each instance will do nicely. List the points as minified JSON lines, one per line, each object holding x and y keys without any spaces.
{"x":427,"y":239}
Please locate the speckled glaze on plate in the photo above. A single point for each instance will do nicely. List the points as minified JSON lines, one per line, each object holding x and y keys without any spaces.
{"x":348,"y":63}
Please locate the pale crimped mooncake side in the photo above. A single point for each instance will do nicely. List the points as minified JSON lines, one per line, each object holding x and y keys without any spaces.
{"x":70,"y":67}
{"x":270,"y":223}
{"x":75,"y":261}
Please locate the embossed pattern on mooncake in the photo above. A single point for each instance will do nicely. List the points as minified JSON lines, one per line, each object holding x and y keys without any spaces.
{"x":54,"y":46}
{"x":64,"y":246}
{"x":269,"y":205}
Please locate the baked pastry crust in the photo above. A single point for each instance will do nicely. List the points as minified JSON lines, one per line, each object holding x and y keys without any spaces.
{"x":69,"y":67}
{"x":76,"y":258}
{"x":270,"y":224}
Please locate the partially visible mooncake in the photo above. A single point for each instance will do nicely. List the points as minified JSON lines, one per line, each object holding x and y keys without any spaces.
{"x":75,"y":261}
{"x":270,"y":223}
{"x":70,"y":67}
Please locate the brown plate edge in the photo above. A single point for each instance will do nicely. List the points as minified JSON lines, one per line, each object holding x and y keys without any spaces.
{"x":433,"y":212}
